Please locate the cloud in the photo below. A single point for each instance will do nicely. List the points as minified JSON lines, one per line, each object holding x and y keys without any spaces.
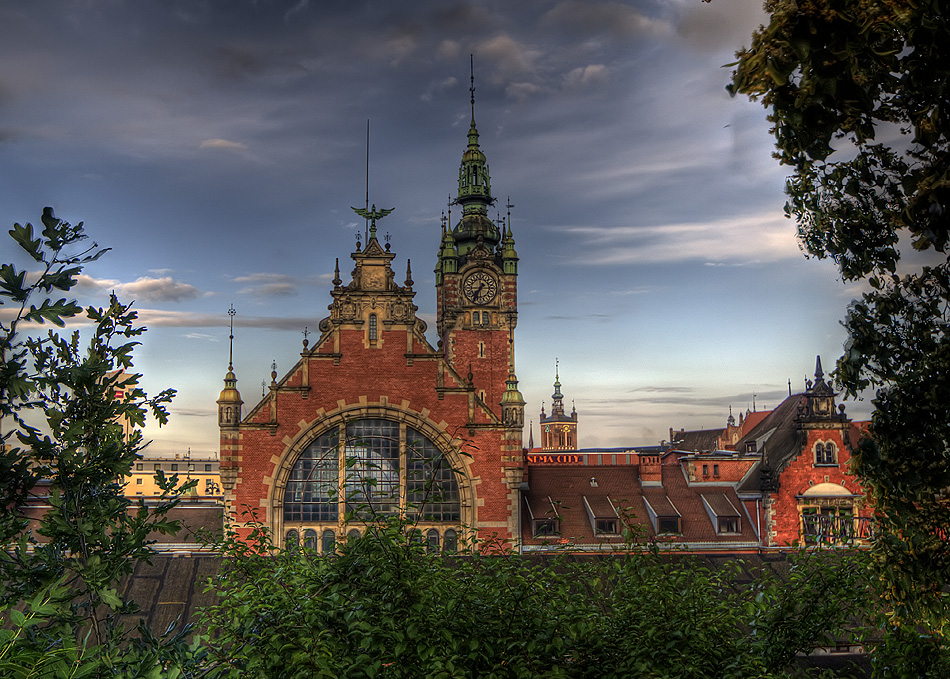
{"x":588,"y":76}
{"x":267,"y":285}
{"x":438,"y":87}
{"x":611,"y":19}
{"x":509,"y":56}
{"x":521,"y":91}
{"x":222,"y":144}
{"x":162,"y":318}
{"x":164,"y":289}
{"x":750,"y":239}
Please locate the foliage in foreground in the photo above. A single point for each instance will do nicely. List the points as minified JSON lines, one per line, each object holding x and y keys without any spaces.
{"x":383,"y":607}
{"x":859,"y":98}
{"x":63,"y":438}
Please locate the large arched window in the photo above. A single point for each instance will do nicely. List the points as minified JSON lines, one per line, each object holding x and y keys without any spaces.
{"x":371,"y":469}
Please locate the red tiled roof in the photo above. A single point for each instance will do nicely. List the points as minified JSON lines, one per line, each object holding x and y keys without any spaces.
{"x":568,"y":486}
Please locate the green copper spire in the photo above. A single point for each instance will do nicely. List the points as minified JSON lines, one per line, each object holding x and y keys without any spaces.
{"x":557,"y":405}
{"x":474,"y":193}
{"x":509,"y":256}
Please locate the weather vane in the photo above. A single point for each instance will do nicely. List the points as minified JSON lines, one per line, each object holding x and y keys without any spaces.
{"x":372,"y":214}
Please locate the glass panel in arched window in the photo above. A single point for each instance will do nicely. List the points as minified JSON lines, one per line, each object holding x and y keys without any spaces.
{"x":310,"y":539}
{"x":451,"y":541}
{"x":372,"y":469}
{"x":292,"y":540}
{"x":432,"y":541}
{"x":329,"y":541}
{"x":354,"y":534}
{"x":476,"y":317}
{"x":432,"y":490}
{"x":311,"y":493}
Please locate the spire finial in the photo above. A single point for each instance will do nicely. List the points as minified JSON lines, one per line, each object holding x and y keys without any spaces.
{"x":366,"y":220}
{"x":231,"y":313}
{"x":818,"y":373}
{"x":306,"y":334}
{"x":472,"y":87}
{"x":408,"y":273}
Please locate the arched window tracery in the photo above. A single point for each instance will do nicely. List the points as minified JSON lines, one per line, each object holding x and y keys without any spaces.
{"x":371,"y":469}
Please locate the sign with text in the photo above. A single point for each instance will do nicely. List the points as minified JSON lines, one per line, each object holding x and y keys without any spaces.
{"x":555,"y":458}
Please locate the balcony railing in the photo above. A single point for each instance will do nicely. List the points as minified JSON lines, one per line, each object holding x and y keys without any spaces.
{"x":825,"y":529}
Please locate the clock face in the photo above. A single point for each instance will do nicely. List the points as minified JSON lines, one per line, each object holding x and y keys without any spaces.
{"x":480,"y":288}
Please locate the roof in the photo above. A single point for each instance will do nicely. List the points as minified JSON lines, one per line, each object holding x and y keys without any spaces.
{"x":778,"y":436}
{"x":698,"y":440}
{"x":580,"y":494}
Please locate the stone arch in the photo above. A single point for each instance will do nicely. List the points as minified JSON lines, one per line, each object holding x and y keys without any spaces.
{"x":309,"y":432}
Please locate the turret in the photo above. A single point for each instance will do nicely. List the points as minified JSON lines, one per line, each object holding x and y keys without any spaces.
{"x":229,"y":402}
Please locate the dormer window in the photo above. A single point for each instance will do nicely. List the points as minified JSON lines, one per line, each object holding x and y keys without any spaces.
{"x":750,"y":447}
{"x":826,"y":454}
{"x":545,"y":527}
{"x":668,"y":524}
{"x":607,"y":527}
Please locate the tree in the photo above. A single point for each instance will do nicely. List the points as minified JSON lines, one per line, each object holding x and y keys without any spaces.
{"x":859,"y":97}
{"x":382,"y":605}
{"x":63,"y":436}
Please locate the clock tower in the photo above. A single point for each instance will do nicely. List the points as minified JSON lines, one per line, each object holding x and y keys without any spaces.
{"x":476,"y":281}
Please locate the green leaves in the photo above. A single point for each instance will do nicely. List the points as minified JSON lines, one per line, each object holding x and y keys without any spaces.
{"x":61,"y":590}
{"x":382,"y":607}
{"x":857,"y":93}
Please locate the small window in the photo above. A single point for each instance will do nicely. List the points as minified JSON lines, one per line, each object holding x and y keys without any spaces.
{"x":138,"y":481}
{"x":451,"y":541}
{"x":486,"y":318}
{"x":329,"y":541}
{"x":174,"y":467}
{"x":750,"y":447}
{"x":606,"y":526}
{"x":545,"y":527}
{"x":292,"y":540}
{"x":138,"y":492}
{"x":826,"y":454}
{"x":158,"y":466}
{"x":138,"y":466}
{"x":716,"y":471}
{"x":667,"y":524}
{"x":476,"y":318}
{"x":432,"y":541}
{"x":728,"y":524}
{"x":481,"y":350}
{"x":372,"y":328}
{"x":207,"y":467}
{"x":191,"y":467}
{"x":705,"y":470}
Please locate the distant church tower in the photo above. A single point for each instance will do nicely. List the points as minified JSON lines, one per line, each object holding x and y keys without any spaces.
{"x":558,"y":431}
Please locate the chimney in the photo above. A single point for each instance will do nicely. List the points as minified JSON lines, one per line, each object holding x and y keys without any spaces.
{"x":650,"y":470}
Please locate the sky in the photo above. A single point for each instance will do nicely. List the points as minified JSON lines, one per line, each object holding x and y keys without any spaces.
{"x":217,"y":147}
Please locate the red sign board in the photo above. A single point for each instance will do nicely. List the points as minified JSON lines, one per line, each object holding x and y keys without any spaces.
{"x":554,"y":458}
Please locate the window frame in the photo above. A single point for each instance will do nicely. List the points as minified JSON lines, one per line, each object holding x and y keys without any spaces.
{"x":338,"y":480}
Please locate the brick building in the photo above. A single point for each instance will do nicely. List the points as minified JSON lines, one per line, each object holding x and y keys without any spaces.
{"x":373,"y":421}
{"x":778,"y":478}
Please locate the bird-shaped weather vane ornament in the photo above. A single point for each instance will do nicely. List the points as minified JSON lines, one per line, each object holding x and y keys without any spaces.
{"x":372,"y":214}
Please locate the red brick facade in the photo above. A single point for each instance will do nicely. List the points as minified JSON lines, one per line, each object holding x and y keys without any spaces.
{"x":373,"y":364}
